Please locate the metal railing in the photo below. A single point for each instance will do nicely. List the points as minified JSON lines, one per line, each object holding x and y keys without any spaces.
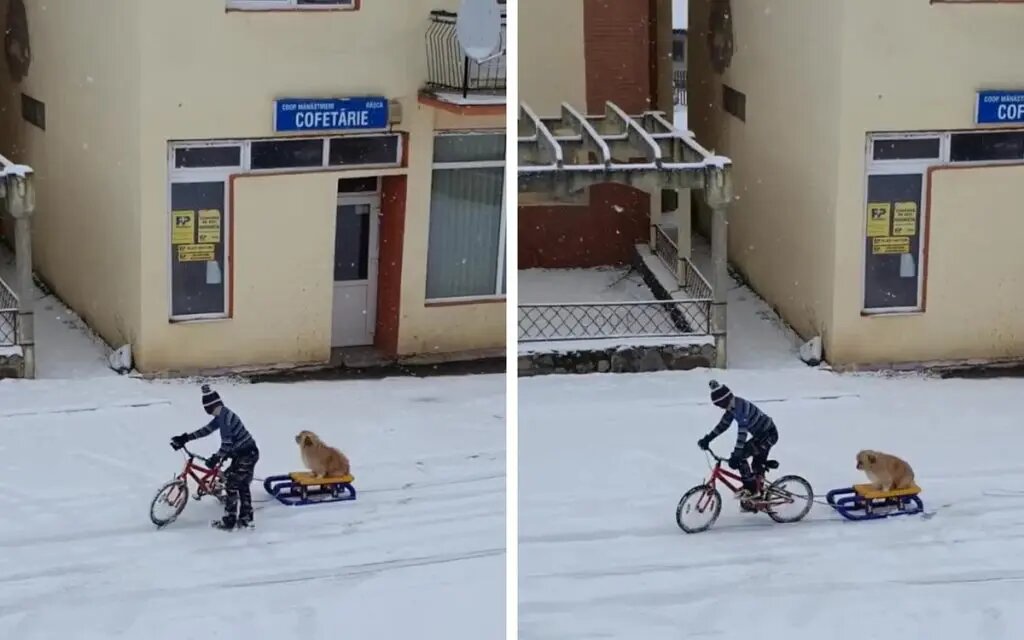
{"x":665,"y":248}
{"x":448,"y":67}
{"x":8,"y":316}
{"x":690,"y":280}
{"x":679,"y":86}
{"x":593,"y":320}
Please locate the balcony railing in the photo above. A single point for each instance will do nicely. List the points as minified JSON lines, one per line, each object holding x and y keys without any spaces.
{"x":449,"y":69}
{"x":591,"y":320}
{"x":8,"y":316}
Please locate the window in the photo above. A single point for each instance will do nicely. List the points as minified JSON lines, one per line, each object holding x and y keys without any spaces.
{"x":33,"y":111}
{"x":466,"y":243}
{"x":363,"y":150}
{"x":205,"y":157}
{"x":989,"y":146}
{"x":269,"y":5}
{"x":907,"y":148}
{"x":287,"y":154}
{"x":198,"y":230}
{"x":734,"y":102}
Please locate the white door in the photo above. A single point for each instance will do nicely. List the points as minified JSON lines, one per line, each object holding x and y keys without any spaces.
{"x":355,"y":270}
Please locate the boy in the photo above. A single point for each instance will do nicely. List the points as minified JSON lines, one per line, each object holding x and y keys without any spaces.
{"x":235,"y":443}
{"x":750,"y":421}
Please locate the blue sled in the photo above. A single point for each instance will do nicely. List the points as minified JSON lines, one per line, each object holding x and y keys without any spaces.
{"x":299,"y":488}
{"x":863,"y":502}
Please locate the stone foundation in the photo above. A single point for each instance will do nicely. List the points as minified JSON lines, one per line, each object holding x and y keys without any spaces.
{"x":12,"y":366}
{"x":619,"y":359}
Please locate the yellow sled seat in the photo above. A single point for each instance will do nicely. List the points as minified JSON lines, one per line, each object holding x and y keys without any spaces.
{"x":307,"y":479}
{"x":868,"y":492}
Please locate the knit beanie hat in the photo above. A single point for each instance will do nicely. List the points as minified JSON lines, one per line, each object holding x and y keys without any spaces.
{"x":721,"y":395}
{"x":211,"y":399}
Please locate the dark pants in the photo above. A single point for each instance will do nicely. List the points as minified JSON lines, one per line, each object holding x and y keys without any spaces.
{"x":238,"y":477}
{"x":756,"y":448}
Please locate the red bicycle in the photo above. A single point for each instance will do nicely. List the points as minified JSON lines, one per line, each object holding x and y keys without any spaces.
{"x":175,"y":493}
{"x":705,"y":499}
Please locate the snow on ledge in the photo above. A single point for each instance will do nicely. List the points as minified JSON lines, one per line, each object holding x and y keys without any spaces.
{"x":17,"y":170}
{"x":11,"y":352}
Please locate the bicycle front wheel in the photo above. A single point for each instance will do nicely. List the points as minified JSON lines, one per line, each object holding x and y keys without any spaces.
{"x":169,"y":502}
{"x":789,"y":499}
{"x":699,"y":509}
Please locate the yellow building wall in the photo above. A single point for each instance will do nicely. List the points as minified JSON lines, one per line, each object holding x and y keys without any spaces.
{"x":974,"y":307}
{"x":226,"y":71}
{"x":551,"y":62}
{"x":85,"y":230}
{"x":915,"y":66}
{"x":781,"y":223}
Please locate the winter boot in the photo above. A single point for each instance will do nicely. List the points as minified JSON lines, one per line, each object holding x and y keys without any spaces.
{"x":227,"y":523}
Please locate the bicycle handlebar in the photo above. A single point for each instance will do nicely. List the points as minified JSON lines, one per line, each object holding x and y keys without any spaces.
{"x":192,"y":454}
{"x":714,"y":455}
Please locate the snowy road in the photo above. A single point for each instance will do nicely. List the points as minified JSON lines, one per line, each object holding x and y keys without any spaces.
{"x":606,"y":458}
{"x":419,"y":554}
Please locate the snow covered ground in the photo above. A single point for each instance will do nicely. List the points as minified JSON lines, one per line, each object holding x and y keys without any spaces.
{"x":605,"y":458}
{"x":601,"y":284}
{"x":419,"y":554}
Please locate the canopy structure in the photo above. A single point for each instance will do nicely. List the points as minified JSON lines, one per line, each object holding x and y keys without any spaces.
{"x":564,"y":155}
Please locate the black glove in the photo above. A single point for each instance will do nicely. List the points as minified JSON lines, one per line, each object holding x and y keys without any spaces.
{"x":213,"y":460}
{"x":704,"y":443}
{"x":735,"y":460}
{"x":178,"y":442}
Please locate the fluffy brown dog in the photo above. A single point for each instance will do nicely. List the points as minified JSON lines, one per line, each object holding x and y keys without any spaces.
{"x":886,"y":472}
{"x":322,"y":460}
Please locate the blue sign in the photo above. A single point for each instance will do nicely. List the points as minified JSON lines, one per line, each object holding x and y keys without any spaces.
{"x":999,"y":107}
{"x":330,"y":114}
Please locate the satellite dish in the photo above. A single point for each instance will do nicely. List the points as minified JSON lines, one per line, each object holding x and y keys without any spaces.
{"x":478,"y":28}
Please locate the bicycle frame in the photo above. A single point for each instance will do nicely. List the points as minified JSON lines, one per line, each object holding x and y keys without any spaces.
{"x":201,"y":475}
{"x":732,"y":481}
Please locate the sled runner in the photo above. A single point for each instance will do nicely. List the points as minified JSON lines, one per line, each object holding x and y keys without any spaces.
{"x":864,"y":502}
{"x":302,"y":488}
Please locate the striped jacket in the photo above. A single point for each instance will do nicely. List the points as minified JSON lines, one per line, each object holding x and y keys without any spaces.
{"x":750,"y":422}
{"x":233,"y":435}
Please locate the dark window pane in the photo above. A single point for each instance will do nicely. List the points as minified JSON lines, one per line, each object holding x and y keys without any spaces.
{"x":33,"y":111}
{"x":287,"y":154}
{"x":352,"y":242}
{"x":983,"y":147}
{"x":469,"y":147}
{"x":364,"y":150}
{"x":909,"y":149}
{"x":193,"y":157}
{"x":734,"y":102}
{"x":197,"y":248}
{"x":893,"y":243}
{"x":357,"y":185}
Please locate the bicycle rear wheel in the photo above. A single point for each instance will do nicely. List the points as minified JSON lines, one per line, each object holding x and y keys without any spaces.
{"x":169,"y":502}
{"x":789,"y":498}
{"x":703,"y":500}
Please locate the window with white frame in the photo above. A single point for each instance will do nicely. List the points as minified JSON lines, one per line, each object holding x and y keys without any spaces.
{"x":265,"y":5}
{"x":896,"y":205}
{"x":199,"y":217}
{"x":466,"y":245}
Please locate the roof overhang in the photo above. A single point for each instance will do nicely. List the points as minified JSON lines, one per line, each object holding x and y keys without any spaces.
{"x":565,"y":154}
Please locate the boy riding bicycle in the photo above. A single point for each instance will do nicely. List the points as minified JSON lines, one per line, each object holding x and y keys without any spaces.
{"x":755,"y":436}
{"x":237,"y":444}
